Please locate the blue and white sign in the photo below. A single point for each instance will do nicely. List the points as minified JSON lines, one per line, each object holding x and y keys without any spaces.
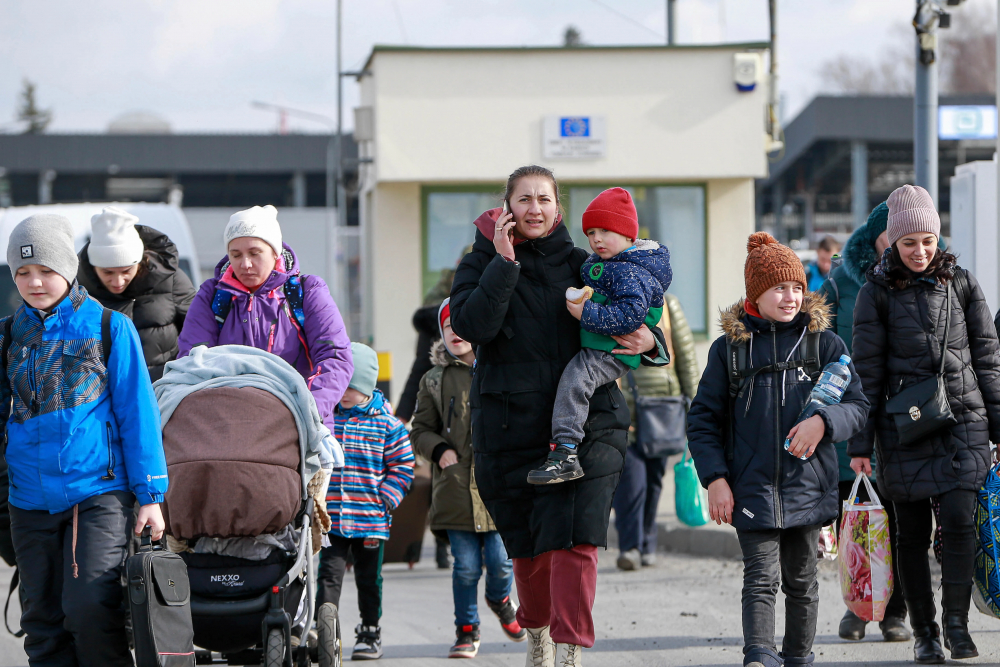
{"x":967,"y":122}
{"x":573,"y":137}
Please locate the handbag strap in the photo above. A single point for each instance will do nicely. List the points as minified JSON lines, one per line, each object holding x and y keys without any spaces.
{"x":875,"y":503}
{"x":947,"y":326}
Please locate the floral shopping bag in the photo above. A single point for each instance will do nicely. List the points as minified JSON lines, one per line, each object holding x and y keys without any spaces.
{"x":864,"y":554}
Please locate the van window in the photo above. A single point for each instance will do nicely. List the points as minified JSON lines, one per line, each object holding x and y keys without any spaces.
{"x":10,"y":298}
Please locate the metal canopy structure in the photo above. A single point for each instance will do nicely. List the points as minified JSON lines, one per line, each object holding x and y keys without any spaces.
{"x":844,"y":155}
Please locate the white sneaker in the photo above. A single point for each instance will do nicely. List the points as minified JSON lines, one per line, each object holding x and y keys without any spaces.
{"x":630,"y":560}
{"x":541,"y":650}
{"x":648,"y":560}
{"x":569,"y":655}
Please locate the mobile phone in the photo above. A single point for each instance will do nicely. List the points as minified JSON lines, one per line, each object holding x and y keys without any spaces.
{"x":506,"y":207}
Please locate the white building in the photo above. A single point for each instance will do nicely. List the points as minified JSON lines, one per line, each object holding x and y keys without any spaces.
{"x":445,"y":126}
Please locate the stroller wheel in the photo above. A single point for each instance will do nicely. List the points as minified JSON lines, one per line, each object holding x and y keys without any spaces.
{"x":274,"y":652}
{"x":331,"y":649}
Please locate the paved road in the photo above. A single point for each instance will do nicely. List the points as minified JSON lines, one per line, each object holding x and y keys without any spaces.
{"x":685,"y":611}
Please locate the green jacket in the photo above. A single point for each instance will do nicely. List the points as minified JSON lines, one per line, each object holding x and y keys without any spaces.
{"x":443,"y":420}
{"x":681,"y":376}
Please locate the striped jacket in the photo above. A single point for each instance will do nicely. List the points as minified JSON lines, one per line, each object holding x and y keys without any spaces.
{"x":377,"y":472}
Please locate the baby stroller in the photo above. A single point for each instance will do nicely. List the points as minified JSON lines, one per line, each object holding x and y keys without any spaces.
{"x":240,"y":512}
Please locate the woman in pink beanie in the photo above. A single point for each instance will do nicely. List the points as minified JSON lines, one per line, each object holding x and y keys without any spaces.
{"x":917,"y":309}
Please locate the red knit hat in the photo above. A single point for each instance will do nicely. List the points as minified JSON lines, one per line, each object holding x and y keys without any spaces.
{"x":614,"y":211}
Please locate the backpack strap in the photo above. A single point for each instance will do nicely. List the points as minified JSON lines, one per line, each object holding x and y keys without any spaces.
{"x":222,"y":303}
{"x":962,"y":289}
{"x":295,"y":298}
{"x":836,"y":289}
{"x":882,"y":305}
{"x":106,"y":340}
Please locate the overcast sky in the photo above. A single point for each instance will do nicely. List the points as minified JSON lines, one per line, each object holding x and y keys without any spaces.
{"x":199,"y":63}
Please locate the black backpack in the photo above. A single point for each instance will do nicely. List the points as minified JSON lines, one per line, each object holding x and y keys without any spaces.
{"x":6,"y":542}
{"x":740,"y":373}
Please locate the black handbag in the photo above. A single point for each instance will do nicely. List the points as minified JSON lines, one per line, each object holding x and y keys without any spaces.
{"x":923,"y":409}
{"x":661,"y":423}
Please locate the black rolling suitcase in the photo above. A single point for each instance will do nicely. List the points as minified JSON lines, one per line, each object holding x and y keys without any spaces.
{"x":159,"y":598}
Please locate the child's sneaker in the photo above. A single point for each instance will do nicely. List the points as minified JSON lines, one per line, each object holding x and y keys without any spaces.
{"x":562,"y":465}
{"x":368,"y":645}
{"x":507,"y":614}
{"x":466,"y":643}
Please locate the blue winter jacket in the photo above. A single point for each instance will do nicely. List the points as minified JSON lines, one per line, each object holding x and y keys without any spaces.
{"x":77,"y":429}
{"x":633,"y":281}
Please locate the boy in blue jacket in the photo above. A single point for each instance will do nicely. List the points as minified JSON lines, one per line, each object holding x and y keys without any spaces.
{"x":777,"y":500}
{"x":624,"y":284}
{"x":83,"y":444}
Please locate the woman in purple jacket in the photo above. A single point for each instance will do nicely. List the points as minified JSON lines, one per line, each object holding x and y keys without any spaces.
{"x":258,"y":298}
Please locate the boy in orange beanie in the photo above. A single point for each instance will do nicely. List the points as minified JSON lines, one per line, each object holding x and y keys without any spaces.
{"x":754,"y":387}
{"x":624,"y":282}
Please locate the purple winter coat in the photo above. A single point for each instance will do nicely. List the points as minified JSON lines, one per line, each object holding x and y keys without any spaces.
{"x":260,"y":320}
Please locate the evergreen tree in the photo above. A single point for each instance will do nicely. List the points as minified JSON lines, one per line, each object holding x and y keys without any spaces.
{"x":36,"y":119}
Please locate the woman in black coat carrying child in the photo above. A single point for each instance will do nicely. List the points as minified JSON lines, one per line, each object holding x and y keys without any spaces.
{"x":509,"y":298}
{"x":906,"y":301}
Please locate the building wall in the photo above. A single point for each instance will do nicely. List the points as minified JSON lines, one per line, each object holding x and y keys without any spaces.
{"x":671,"y":113}
{"x":395,"y":261}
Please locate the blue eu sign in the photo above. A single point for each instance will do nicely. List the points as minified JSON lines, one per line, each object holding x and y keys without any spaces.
{"x":574,"y":126}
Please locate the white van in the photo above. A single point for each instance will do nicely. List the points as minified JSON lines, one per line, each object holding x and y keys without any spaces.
{"x":166,"y":218}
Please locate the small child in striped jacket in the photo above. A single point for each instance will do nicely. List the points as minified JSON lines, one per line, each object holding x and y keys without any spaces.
{"x":377,"y":472}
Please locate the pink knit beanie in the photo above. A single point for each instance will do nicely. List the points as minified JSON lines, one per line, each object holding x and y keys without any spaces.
{"x":911,"y":210}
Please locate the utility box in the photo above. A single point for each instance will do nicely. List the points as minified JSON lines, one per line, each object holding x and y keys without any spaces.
{"x":975,"y":230}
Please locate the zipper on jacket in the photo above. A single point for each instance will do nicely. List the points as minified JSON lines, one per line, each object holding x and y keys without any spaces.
{"x":270,"y":335}
{"x":32,"y":381}
{"x":780,"y":443}
{"x":111,"y":455}
{"x":451,"y":411}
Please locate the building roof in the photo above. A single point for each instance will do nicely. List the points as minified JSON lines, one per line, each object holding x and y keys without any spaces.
{"x":881,"y":119}
{"x":169,"y":153}
{"x":395,"y":48}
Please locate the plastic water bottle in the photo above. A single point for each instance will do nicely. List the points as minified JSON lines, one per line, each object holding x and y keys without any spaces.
{"x":828,"y":391}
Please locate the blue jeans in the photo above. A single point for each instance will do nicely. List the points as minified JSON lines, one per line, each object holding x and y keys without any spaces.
{"x":471,"y":551}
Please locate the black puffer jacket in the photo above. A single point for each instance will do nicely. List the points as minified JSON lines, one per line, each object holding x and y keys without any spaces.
{"x":956,"y":458}
{"x":771,"y":488}
{"x":157,"y":299}
{"x":516,"y":314}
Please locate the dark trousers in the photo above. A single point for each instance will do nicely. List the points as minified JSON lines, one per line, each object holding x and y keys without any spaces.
{"x":636,"y":500}
{"x":958,"y":542}
{"x":367,"y":575}
{"x":74,"y":621}
{"x":786,"y":557}
{"x":896,"y":606}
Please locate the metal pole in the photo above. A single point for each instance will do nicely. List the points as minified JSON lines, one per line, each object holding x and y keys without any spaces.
{"x":859,"y":182}
{"x":671,"y":22}
{"x":925,"y":134}
{"x":340,"y":123}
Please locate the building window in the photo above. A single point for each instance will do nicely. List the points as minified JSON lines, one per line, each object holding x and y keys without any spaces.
{"x":674,"y":215}
{"x":448,"y":228}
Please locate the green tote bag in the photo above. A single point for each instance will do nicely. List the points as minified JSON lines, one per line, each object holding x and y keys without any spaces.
{"x":690,"y":499}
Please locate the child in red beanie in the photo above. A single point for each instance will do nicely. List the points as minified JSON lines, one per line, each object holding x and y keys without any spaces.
{"x":624,"y":284}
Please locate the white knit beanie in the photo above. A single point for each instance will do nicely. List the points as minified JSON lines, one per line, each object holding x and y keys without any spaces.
{"x":259,"y":222}
{"x":114,"y":241}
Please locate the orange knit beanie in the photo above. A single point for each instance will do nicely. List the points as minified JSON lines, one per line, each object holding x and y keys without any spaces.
{"x":768,"y":264}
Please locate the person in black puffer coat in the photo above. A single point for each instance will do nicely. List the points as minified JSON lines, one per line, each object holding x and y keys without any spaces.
{"x":509,"y":298}
{"x":776,"y":499}
{"x":134,"y":269}
{"x":904,"y":301}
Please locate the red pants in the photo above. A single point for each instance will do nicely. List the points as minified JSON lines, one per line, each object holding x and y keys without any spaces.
{"x":557,"y":589}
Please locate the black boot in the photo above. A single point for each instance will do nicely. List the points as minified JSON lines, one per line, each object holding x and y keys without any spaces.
{"x":955,"y":619}
{"x":894,"y":629}
{"x":441,"y":554}
{"x":852,"y":627}
{"x":927,"y":637}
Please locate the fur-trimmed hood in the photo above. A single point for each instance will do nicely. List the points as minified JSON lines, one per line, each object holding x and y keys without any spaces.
{"x":441,"y":357}
{"x":733,"y":320}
